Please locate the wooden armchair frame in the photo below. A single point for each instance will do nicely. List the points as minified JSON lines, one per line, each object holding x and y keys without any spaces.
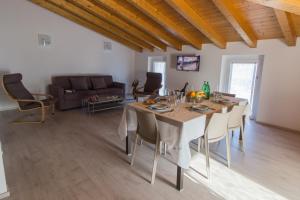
{"x":43,"y":107}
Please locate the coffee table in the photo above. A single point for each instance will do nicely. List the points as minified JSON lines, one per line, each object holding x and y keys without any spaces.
{"x":97,"y":103}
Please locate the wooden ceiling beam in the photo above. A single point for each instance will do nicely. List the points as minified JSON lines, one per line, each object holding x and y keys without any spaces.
{"x":291,"y":6}
{"x":237,"y":20}
{"x":131,"y":16}
{"x":86,"y":24}
{"x":164,"y":20}
{"x":186,"y":11}
{"x":99,"y":22}
{"x":286,"y":26}
{"x":104,"y":14}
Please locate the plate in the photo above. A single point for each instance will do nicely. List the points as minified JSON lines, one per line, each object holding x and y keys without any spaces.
{"x":224,"y":100}
{"x":159,"y":106}
{"x":200,"y":107}
{"x":164,"y":110}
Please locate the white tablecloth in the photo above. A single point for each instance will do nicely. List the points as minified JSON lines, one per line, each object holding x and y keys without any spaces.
{"x":177,"y":138}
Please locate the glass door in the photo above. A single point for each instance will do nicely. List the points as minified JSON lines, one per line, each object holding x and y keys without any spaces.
{"x":158,"y":65}
{"x":242,"y":80}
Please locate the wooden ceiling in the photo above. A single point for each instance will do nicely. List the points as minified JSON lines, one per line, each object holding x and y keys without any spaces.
{"x":158,"y":24}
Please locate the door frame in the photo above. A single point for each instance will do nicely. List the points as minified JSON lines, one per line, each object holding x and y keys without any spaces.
{"x":225,"y":76}
{"x":152,"y":59}
{"x":253,"y":78}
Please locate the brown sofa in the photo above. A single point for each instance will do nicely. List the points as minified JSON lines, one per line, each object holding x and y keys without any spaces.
{"x":70,"y":90}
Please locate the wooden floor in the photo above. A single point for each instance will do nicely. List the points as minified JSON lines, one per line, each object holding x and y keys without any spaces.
{"x":77,"y":157}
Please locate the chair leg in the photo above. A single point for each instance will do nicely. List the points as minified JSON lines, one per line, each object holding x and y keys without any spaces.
{"x":53,"y":109}
{"x":134,"y":149}
{"x":228,"y":150}
{"x":243,"y":137}
{"x":165,"y":148}
{"x":160,"y":147}
{"x":207,"y":156}
{"x":43,"y":115}
{"x":199,"y":144}
{"x":156,"y":157}
{"x":202,"y":142}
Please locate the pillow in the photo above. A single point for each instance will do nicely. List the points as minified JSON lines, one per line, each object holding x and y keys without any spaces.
{"x":79,"y":83}
{"x":98,"y":83}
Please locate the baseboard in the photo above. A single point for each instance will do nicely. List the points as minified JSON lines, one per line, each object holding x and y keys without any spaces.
{"x":4,"y":195}
{"x":5,"y":108}
{"x":278,"y":127}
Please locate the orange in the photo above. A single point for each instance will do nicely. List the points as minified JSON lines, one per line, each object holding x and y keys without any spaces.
{"x":193,"y":94}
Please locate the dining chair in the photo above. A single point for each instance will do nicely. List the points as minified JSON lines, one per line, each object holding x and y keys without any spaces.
{"x":215,"y":131}
{"x":147,"y":130}
{"x":225,"y":94}
{"x":235,"y":122}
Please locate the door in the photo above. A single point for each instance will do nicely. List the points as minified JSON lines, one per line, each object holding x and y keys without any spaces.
{"x":158,"y":64}
{"x":241,"y":75}
{"x":242,"y":79}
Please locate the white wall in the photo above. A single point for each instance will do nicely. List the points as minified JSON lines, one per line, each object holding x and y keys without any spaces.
{"x":279,"y":102}
{"x":74,"y":49}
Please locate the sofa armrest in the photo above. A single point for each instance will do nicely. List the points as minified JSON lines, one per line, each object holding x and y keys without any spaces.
{"x":56,"y":91}
{"x":118,"y":85}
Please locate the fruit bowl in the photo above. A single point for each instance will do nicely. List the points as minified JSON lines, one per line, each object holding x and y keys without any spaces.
{"x":195,"y":96}
{"x":150,"y":101}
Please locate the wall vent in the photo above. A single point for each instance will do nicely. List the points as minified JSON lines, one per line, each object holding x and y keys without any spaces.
{"x":107,"y":46}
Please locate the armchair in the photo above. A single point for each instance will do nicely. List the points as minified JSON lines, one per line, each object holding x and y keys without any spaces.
{"x":14,"y":88}
{"x":151,"y":87}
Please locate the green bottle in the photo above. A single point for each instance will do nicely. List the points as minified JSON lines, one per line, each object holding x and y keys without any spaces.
{"x":207,"y":93}
{"x":205,"y":88}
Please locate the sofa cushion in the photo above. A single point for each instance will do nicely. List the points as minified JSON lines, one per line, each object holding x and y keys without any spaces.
{"x":98,"y":83}
{"x":79,"y":83}
{"x":79,"y":95}
{"x":108,"y":81}
{"x":62,"y":81}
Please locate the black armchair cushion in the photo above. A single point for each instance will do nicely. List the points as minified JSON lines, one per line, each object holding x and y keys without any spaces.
{"x":14,"y":86}
{"x":34,"y":105}
{"x":153,"y":82}
{"x":79,"y":83}
{"x":98,"y":83}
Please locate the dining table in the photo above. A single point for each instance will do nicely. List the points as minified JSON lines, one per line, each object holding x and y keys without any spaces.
{"x":177,"y":127}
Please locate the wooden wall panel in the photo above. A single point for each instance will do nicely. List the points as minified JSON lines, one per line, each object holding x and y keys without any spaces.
{"x":213,"y":16}
{"x":296,"y":22}
{"x":163,"y":7}
{"x":261,"y":18}
{"x":128,"y":12}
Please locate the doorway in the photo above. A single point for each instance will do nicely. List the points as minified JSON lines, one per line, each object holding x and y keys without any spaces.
{"x":242,"y":79}
{"x":241,"y":75}
{"x":158,"y":64}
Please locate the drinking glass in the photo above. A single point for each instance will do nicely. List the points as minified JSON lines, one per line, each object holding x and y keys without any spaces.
{"x":172,"y":101}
